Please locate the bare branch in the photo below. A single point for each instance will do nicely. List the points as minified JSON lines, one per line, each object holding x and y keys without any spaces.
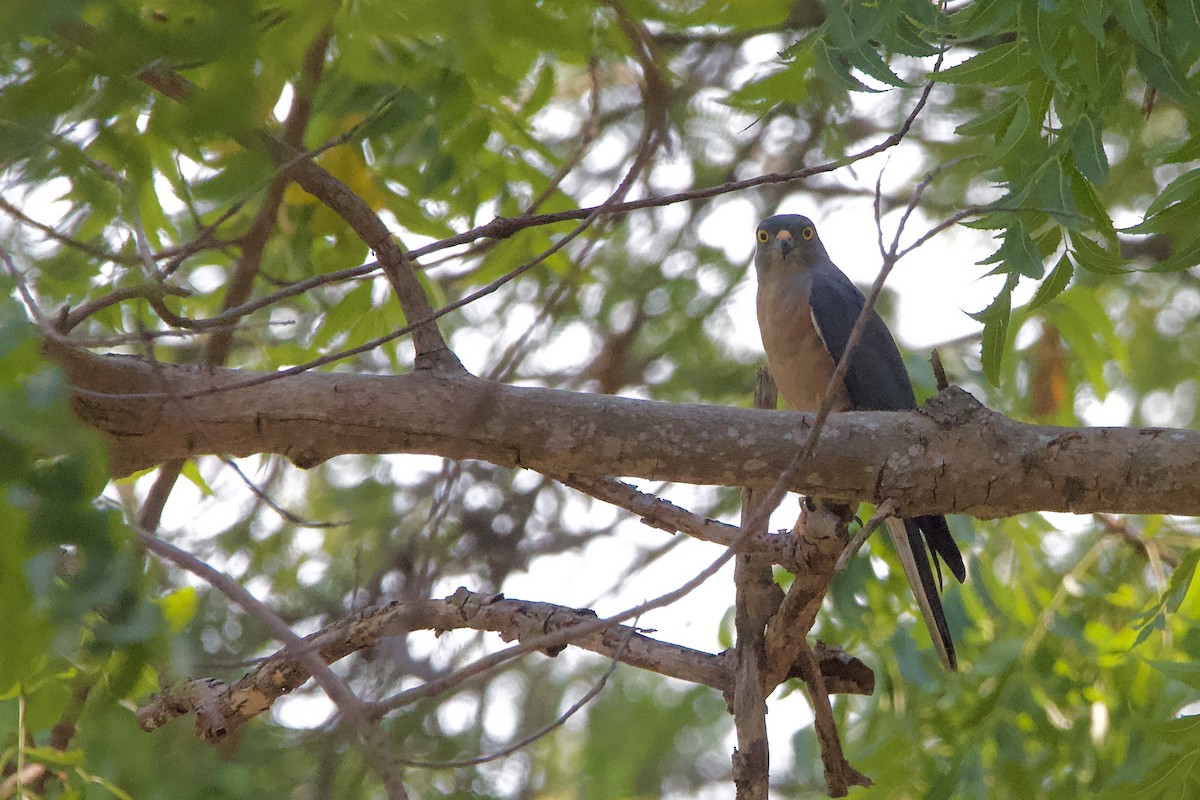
{"x":524,"y":742}
{"x":520,"y":620}
{"x":757,"y":598}
{"x":839,"y":775}
{"x":274,"y":506}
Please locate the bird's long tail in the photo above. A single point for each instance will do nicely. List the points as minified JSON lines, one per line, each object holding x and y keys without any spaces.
{"x":910,"y":544}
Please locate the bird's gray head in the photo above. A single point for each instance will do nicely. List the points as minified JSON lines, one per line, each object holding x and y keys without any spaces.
{"x":787,"y":240}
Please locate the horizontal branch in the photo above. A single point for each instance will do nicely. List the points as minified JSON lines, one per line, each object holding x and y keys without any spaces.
{"x":954,"y":456}
{"x":220,"y":708}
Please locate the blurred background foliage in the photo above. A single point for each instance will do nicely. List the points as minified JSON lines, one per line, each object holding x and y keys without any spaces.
{"x":1067,"y":131}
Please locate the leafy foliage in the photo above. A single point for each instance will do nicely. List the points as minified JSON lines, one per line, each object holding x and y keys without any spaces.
{"x":1068,"y":131}
{"x":81,"y":625}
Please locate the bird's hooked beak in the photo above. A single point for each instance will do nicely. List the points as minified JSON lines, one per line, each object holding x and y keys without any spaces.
{"x":785,"y":243}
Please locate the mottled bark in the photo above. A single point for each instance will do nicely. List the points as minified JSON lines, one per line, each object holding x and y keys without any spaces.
{"x":953,"y":456}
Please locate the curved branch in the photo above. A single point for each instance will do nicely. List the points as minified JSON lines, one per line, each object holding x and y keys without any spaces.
{"x":221,"y":709}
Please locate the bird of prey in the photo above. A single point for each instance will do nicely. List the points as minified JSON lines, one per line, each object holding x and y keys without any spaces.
{"x":806,"y":309}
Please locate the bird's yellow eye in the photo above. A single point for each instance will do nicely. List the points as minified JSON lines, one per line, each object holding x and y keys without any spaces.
{"x":807,"y":233}
{"x":762,"y":236}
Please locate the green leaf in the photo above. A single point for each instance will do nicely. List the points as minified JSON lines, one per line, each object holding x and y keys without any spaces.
{"x":1187,"y":673}
{"x":1091,"y":16}
{"x":1181,"y":579}
{"x":191,"y":471}
{"x":344,"y":314}
{"x":830,"y":67}
{"x":1088,"y":150}
{"x":1095,"y":258}
{"x":1137,"y":22}
{"x":1043,"y":33}
{"x":179,"y":607}
{"x":978,"y":20}
{"x":1186,"y":151}
{"x":1054,"y":194}
{"x":1002,"y":65}
{"x":1172,"y":778}
{"x":52,"y":755}
{"x":1089,"y":332}
{"x":1054,"y":284}
{"x":1088,"y":202}
{"x":1184,"y":16}
{"x":1048,"y":242}
{"x":995,"y":319}
{"x":788,"y":85}
{"x":543,"y":90}
{"x":1172,"y":219}
{"x":995,"y":334}
{"x":994,"y":121}
{"x":1018,"y":254}
{"x":1181,"y":258}
{"x":1183,"y":188}
{"x":1018,"y":129}
{"x":910,"y":40}
{"x":106,"y":784}
{"x":1184,"y":730}
{"x":868,"y":61}
{"x":1164,"y":72}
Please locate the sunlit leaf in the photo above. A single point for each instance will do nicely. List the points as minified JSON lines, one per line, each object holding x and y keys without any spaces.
{"x":179,"y":607}
{"x":191,"y":471}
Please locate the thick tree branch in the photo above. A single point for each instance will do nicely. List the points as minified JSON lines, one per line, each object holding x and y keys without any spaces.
{"x":954,"y":456}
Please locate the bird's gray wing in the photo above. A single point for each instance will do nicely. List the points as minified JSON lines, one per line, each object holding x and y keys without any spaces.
{"x":876,"y":380}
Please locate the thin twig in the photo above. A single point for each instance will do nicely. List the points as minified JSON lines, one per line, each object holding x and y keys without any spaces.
{"x":884,"y":510}
{"x":665,"y":515}
{"x":939,"y":371}
{"x":271,"y":504}
{"x":23,"y":290}
{"x":839,"y":775}
{"x":347,"y":702}
{"x":587,"y":697}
